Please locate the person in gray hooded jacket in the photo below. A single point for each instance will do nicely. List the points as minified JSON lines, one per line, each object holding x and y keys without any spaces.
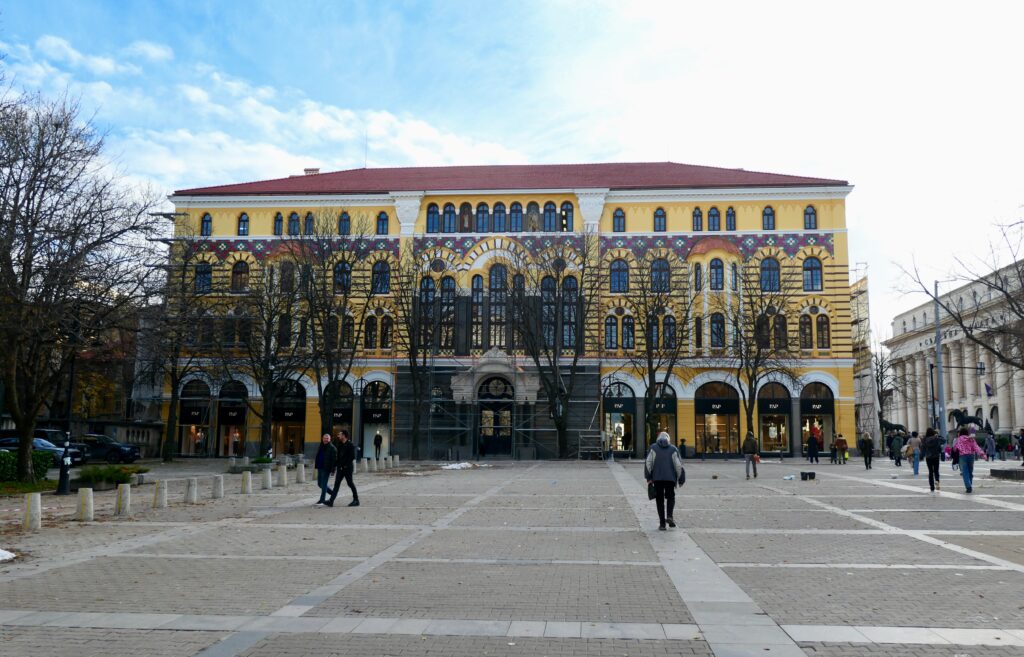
{"x":664,"y":469}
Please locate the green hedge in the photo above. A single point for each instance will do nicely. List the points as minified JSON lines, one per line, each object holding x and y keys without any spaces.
{"x":9,"y":465}
{"x":112,"y":473}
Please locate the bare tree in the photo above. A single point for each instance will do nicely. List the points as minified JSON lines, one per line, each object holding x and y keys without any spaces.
{"x":887,"y":385}
{"x":555,"y":296}
{"x":70,"y":238}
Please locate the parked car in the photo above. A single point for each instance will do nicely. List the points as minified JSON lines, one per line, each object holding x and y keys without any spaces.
{"x":40,"y":445}
{"x":58,"y":437}
{"x":105,"y":448}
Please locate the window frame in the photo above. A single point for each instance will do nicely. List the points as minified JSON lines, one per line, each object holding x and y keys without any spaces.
{"x":716,"y":274}
{"x":771,"y":275}
{"x":810,"y":218}
{"x":660,"y":220}
{"x":383,"y":223}
{"x":433,"y":218}
{"x":714,"y":220}
{"x":619,"y":221}
{"x":813,"y":274}
{"x":206,"y":225}
{"x":243,"y":225}
{"x":618,"y":277}
{"x":698,"y":220}
{"x":730,"y":219}
{"x":768,"y":218}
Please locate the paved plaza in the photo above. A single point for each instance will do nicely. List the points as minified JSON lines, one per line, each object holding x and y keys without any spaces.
{"x":529,"y":558}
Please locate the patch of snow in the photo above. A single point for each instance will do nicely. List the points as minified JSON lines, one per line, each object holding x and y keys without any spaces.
{"x":5,"y":555}
{"x":413,"y":474}
{"x":458,"y":466}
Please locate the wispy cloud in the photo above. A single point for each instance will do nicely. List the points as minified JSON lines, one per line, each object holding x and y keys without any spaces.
{"x":59,"y":50}
{"x":154,"y":52}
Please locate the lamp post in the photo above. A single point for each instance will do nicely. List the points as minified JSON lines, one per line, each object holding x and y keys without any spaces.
{"x":940,"y":402}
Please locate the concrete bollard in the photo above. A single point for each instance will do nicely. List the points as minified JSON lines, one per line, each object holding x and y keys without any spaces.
{"x":232,"y":463}
{"x":385,"y":463}
{"x":123,"y":505}
{"x":282,"y":475}
{"x":33,"y":512}
{"x":192,"y":490}
{"x":246,"y":462}
{"x":366,"y":465}
{"x":394,"y":461}
{"x":218,"y":487}
{"x":268,"y":480}
{"x":85,"y":507}
{"x":300,"y":473}
{"x":160,"y":495}
{"x":246,"y":483}
{"x":373,"y":465}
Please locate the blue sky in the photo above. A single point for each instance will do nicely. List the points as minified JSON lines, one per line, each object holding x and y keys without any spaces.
{"x":917,"y":104}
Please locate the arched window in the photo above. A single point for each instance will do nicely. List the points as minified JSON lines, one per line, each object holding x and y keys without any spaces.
{"x":698,"y":332}
{"x":730,"y":219}
{"x":348,"y":332}
{"x":628,"y":332}
{"x":497,"y":292}
{"x":570,"y":299}
{"x":810,"y":218}
{"x":204,"y":279}
{"x":618,"y":221}
{"x":342,"y":278}
{"x":287,"y":272}
{"x":344,"y":224}
{"x":240,"y":276}
{"x":716,"y":274}
{"x":278,"y":224}
{"x":333,"y":327}
{"x":735,"y":277}
{"x":566,"y":217}
{"x":310,"y":224}
{"x":550,"y":217}
{"x":717,"y":331}
{"x":769,"y":275}
{"x":652,"y":331}
{"x":516,"y":218}
{"x":426,"y":310}
{"x":386,"y":326}
{"x":548,"y":292}
{"x":812,"y":275}
{"x":668,"y":333}
{"x":780,"y":331}
{"x":659,"y":220}
{"x":768,"y":218}
{"x":380,"y":282}
{"x":206,"y":227}
{"x":284,"y":331}
{"x":698,"y":277}
{"x":433,"y":219}
{"x":293,"y":223}
{"x":482,"y":217}
{"x":370,"y":333}
{"x":477,"y":312}
{"x":518,"y":303}
{"x":499,"y":218}
{"x":698,"y":220}
{"x":806,"y":338}
{"x":611,"y":333}
{"x":824,"y":334}
{"x":447,"y":324}
{"x":714,"y":220}
{"x":243,"y":224}
{"x":382,"y":223}
{"x":762,"y":332}
{"x":660,"y":276}
{"x":619,"y":279}
{"x":450,"y":221}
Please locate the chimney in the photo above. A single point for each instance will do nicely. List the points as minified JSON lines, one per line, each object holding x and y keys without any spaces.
{"x":311,"y":171}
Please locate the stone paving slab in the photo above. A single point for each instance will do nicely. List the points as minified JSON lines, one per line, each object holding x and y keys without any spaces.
{"x":305,"y":645}
{"x":618,"y":517}
{"x":1010,"y":548}
{"x":553,"y":502}
{"x":367,"y":513}
{"x":820,"y":519}
{"x":256,"y":540}
{"x":89,"y":642}
{"x":511,"y":592}
{"x":410,"y":500}
{"x":822,"y":548}
{"x":905,"y":650}
{"x":74,"y":536}
{"x":938,"y":520}
{"x":940,"y":598}
{"x":560,"y":487}
{"x":455,"y":543}
{"x":910,"y":504}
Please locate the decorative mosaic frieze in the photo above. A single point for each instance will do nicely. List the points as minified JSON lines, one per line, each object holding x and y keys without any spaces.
{"x":463,"y":244}
{"x":263,"y":249}
{"x":748,"y":245}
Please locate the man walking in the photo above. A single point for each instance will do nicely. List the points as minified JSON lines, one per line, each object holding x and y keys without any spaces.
{"x":932,"y":448}
{"x":750,"y":451}
{"x":346,"y":457}
{"x":664,"y":470}
{"x":326,"y":460}
{"x":867,"y":448}
{"x":896,"y":449}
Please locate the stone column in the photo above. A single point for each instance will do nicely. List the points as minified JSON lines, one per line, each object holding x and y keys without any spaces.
{"x":192,"y":490}
{"x":955,"y":392}
{"x":986,"y":401}
{"x":160,"y":494}
{"x":923,"y":397}
{"x":970,"y":359}
{"x":1003,"y":398}
{"x":947,"y":377}
{"x":1018,"y":400}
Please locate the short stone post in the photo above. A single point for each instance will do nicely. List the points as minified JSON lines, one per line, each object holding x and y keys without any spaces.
{"x":373,"y":465}
{"x":366,"y":465}
{"x":232,"y":463}
{"x":246,"y":483}
{"x":160,"y":494}
{"x":85,"y":507}
{"x":268,"y":479}
{"x":282,"y":475}
{"x":300,"y":473}
{"x":218,"y":487}
{"x":123,"y":505}
{"x":192,"y":490}
{"x":33,"y":512}
{"x":394,"y":460}
{"x":246,"y":462}
{"x":385,"y":463}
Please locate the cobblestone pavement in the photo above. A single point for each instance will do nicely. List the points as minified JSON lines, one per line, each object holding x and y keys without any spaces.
{"x":548,"y":558}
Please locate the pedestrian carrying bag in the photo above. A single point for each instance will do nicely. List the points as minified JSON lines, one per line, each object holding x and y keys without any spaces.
{"x":651,"y":493}
{"x":757,"y":458}
{"x":682,"y":475}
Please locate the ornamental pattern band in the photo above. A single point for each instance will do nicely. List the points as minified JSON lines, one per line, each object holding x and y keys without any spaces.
{"x":748,"y":245}
{"x":264,"y":249}
{"x":463,"y":244}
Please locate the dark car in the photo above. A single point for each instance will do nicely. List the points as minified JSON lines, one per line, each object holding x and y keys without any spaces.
{"x":58,"y":437}
{"x":41,"y":445}
{"x":105,"y":448}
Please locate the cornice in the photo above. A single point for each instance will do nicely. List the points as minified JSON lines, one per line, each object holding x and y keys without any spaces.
{"x":286,"y":200}
{"x":726,"y":193}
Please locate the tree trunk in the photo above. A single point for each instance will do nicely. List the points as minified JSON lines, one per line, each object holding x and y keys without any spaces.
{"x":26,"y":473}
{"x":167,"y":445}
{"x":265,"y":433}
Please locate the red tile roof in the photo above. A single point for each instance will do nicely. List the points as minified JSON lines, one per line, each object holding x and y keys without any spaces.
{"x":635,"y":175}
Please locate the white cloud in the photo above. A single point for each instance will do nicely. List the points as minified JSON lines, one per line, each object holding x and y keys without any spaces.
{"x":155,"y":52}
{"x":59,"y":50}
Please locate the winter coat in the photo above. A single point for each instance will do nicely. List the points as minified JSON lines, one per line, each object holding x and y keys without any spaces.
{"x":663,"y":463}
{"x":750,"y":446}
{"x":932,"y":447}
{"x":326,"y":457}
{"x":346,"y":455}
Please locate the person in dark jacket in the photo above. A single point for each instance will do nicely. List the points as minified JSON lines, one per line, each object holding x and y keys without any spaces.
{"x":812,"y":449}
{"x":750,"y":450}
{"x":346,"y":457}
{"x":932,"y":448}
{"x":867,"y":448}
{"x":896,"y":450}
{"x":664,"y":469}
{"x":326,"y":461}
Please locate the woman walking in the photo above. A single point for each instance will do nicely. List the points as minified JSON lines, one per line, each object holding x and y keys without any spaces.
{"x":990,"y":448}
{"x":812,"y":449}
{"x":664,"y":470}
{"x":967,"y":447}
{"x":932,"y":448}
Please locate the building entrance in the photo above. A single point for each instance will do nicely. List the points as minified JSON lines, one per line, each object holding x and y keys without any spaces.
{"x":497,"y":403}
{"x":619,"y":405}
{"x":773,"y":410}
{"x":717,"y":430}
{"x":817,"y":407}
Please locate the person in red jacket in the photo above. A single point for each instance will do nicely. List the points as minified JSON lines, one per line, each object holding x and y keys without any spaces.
{"x":967,"y":448}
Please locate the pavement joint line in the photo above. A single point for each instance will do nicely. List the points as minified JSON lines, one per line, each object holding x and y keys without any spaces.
{"x":696,"y":577}
{"x":529,"y":562}
{"x":255,"y":557}
{"x":862,"y":566}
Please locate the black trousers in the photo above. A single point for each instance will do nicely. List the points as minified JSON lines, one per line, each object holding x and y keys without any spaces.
{"x":346,"y":474}
{"x":933,"y":470}
{"x":867,"y":460}
{"x":376,"y":450}
{"x":665,"y":490}
{"x":898,"y":457}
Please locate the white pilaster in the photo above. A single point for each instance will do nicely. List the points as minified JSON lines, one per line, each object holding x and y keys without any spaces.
{"x":591,"y":205}
{"x":407,"y":207}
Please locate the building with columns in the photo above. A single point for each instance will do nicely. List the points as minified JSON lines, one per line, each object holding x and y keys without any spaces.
{"x":974,"y":381}
{"x":683,"y":229}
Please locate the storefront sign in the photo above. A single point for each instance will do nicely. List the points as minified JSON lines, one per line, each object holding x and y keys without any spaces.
{"x":717,"y":406}
{"x":664,"y":406}
{"x":817,"y":406}
{"x":619,"y":405}
{"x":376,"y":416}
{"x":774,"y":406}
{"x":231,"y":415}
{"x":193,"y":415}
{"x":341,"y":414}
{"x":289,"y":414}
